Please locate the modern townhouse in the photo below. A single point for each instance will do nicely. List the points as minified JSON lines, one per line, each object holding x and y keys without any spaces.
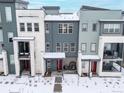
{"x":7,"y":32}
{"x":30,"y":43}
{"x":100,"y":42}
{"x":61,"y":40}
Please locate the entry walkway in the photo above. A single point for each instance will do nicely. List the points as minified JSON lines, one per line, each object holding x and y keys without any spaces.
{"x":58,"y":85}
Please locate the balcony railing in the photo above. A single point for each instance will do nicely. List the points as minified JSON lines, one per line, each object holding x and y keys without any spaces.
{"x":24,"y":55}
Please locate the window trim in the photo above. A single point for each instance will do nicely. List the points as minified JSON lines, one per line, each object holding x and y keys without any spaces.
{"x":8,"y":34}
{"x":29,"y":27}
{"x":85,"y":47}
{"x":91,"y":47}
{"x":20,"y":27}
{"x":47,"y":30}
{"x":47,"y":47}
{"x":64,"y":47}
{"x":8,"y":19}
{"x":95,"y":27}
{"x":86,"y":26}
{"x":36,"y":27}
{"x":73,"y":47}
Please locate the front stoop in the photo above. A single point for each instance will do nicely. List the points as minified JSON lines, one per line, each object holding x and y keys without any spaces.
{"x":58,"y":85}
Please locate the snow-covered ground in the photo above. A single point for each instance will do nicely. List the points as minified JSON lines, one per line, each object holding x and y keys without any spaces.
{"x":75,"y":84}
{"x":25,"y":84}
{"x":71,"y":84}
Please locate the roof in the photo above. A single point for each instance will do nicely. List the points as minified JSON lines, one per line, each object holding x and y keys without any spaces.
{"x":23,"y":38}
{"x":84,"y":7}
{"x":7,"y":1}
{"x":51,"y":7}
{"x":54,"y":55}
{"x":90,"y":57}
{"x":112,"y":20}
{"x":22,"y":1}
{"x":62,"y":17}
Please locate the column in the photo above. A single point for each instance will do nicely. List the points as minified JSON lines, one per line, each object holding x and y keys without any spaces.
{"x":32,"y":58}
{"x":16,"y":59}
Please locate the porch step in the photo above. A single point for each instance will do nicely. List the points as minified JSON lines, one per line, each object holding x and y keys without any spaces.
{"x":25,"y":73}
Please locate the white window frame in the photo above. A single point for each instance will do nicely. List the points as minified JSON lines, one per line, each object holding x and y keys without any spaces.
{"x":22,"y":26}
{"x":65,"y":46}
{"x":8,"y":13}
{"x":58,"y":47}
{"x":31,"y":26}
{"x":83,"y":47}
{"x":93,"y":47}
{"x":36,"y":27}
{"x":47,"y":48}
{"x":84,"y":26}
{"x":1,"y":35}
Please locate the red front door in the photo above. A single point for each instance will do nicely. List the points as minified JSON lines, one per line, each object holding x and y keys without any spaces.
{"x":59,"y":64}
{"x":94,"y":66}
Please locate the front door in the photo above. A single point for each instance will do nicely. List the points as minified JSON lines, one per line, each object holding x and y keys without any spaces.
{"x":93,"y":67}
{"x":59,"y":65}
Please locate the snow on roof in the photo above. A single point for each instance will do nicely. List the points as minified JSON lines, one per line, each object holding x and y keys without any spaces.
{"x":90,"y":57}
{"x":54,"y":55}
{"x":62,"y":17}
{"x":112,"y":20}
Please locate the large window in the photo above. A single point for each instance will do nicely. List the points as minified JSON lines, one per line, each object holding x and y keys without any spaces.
{"x":84,"y":27}
{"x":10,"y":36}
{"x":83,"y":47}
{"x":1,"y":35}
{"x":29,"y":26}
{"x":93,"y":47}
{"x":22,"y":27}
{"x":58,"y":47}
{"x":111,"y":28}
{"x":8,"y":13}
{"x":36,"y":27}
{"x":65,"y":47}
{"x":65,"y":28}
{"x":72,"y":47}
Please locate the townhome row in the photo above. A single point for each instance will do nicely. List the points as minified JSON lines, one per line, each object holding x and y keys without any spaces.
{"x":47,"y":42}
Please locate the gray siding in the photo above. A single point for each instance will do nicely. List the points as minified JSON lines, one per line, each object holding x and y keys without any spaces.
{"x":8,"y":27}
{"x":90,"y":17}
{"x":54,"y":37}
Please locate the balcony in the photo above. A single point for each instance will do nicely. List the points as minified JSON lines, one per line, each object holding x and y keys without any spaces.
{"x":24,"y":55}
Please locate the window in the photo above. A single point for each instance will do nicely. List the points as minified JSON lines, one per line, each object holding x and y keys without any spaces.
{"x":94,"y":27}
{"x":36,"y":27}
{"x":111,"y":28}
{"x":8,"y":14}
{"x":84,"y":27}
{"x":65,"y":28}
{"x":10,"y":36}
{"x":0,"y":18}
{"x":24,"y":47}
{"x":29,"y":26}
{"x":1,"y":35}
{"x":93,"y":47}
{"x":83,"y":47}
{"x":22,"y":26}
{"x":47,"y":46}
{"x":58,"y":47}
{"x":65,"y":47}
{"x":47,"y":28}
{"x":11,"y":59}
{"x":72,"y":47}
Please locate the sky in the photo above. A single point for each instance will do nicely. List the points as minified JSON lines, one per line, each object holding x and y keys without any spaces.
{"x":74,"y":5}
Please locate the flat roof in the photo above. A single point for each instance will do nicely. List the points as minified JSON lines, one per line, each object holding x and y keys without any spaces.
{"x":62,"y":17}
{"x":7,"y":1}
{"x":54,"y":55}
{"x":112,"y":20}
{"x":90,"y":57}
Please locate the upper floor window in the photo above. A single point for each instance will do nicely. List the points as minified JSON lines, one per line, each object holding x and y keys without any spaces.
{"x":83,"y":47}
{"x":10,"y":36}
{"x":65,"y":28}
{"x":93,"y":47}
{"x":58,"y":47}
{"x":22,"y":26}
{"x":65,"y":47}
{"x":72,"y":47}
{"x":1,"y":35}
{"x":46,"y":28}
{"x":36,"y":27}
{"x":111,"y":28}
{"x":94,"y":28}
{"x":8,"y":13}
{"x":84,"y":27}
{"x":47,"y":46}
{"x":29,"y":26}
